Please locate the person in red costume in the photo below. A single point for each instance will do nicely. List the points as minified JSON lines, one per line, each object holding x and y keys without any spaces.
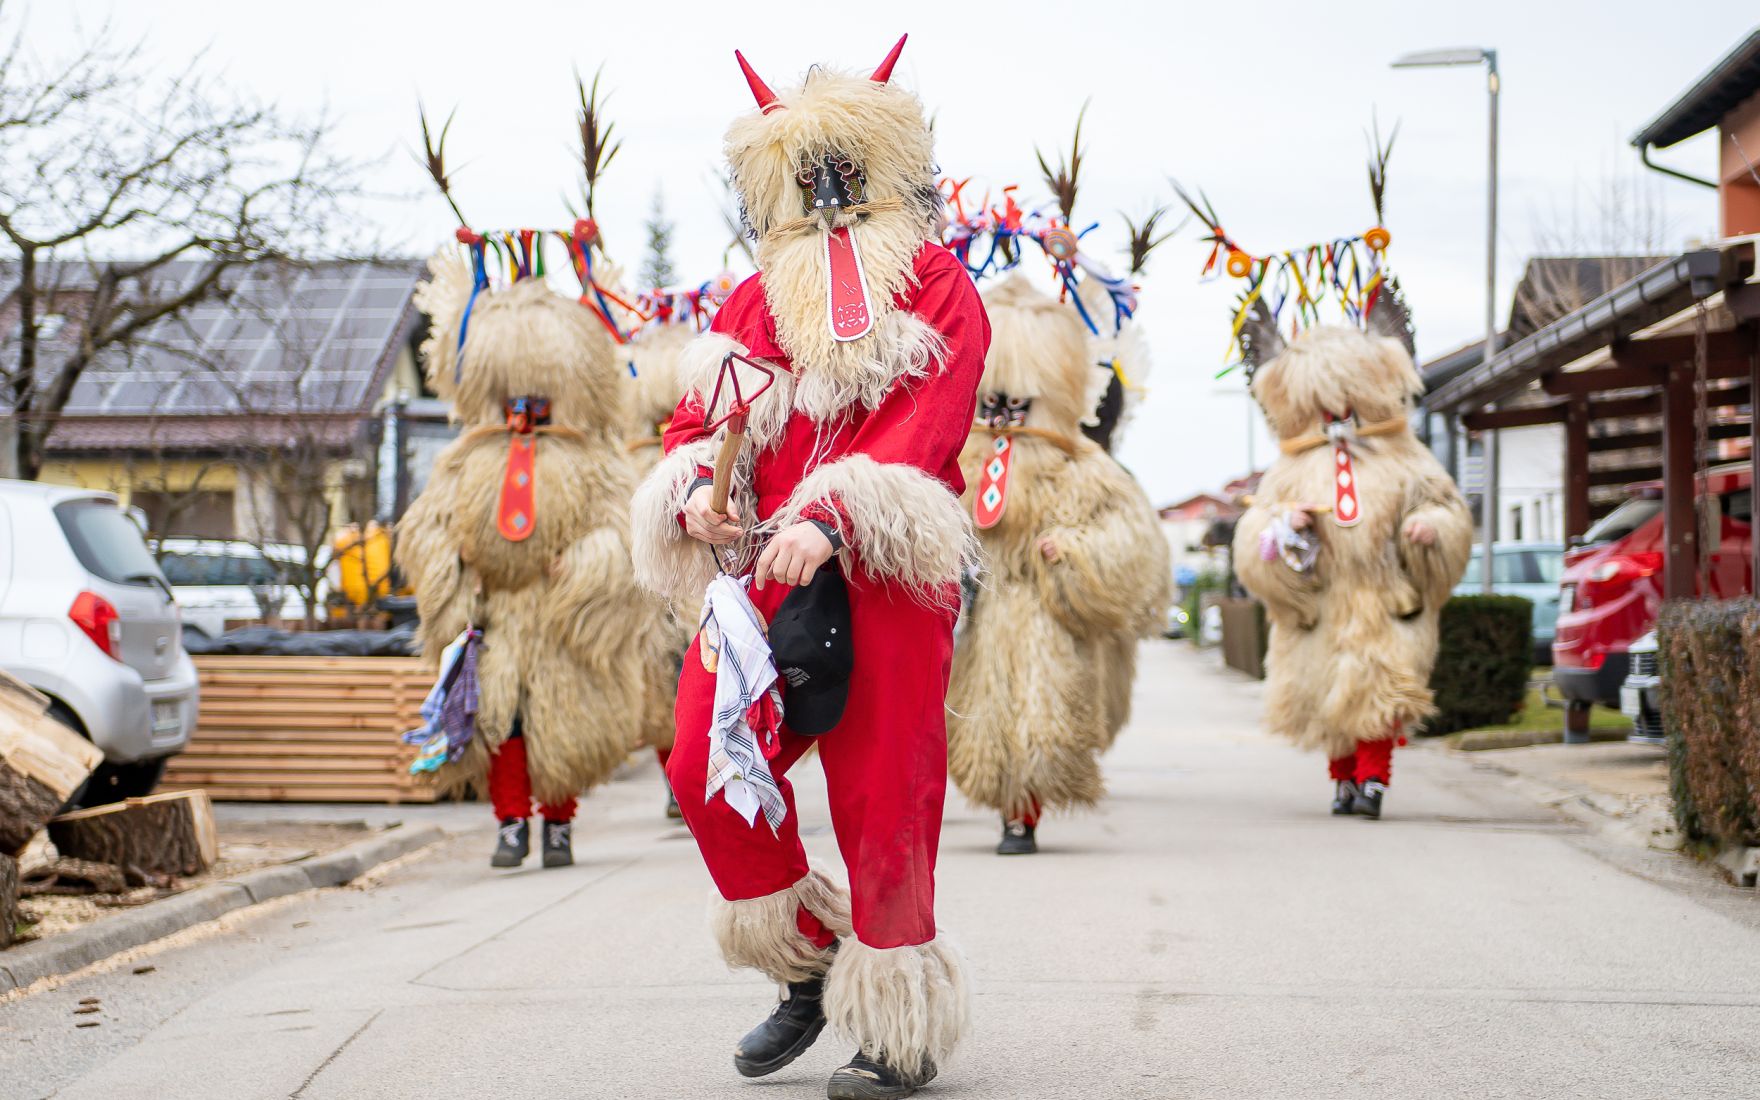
{"x":877,"y":339}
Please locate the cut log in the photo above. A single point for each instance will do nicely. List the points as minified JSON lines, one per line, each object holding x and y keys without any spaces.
{"x":169,"y":833}
{"x":42,"y":763}
{"x":8,"y":900}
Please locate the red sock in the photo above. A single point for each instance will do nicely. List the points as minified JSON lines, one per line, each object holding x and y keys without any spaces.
{"x":559,"y":813}
{"x":1375,"y":760}
{"x":510,"y":788}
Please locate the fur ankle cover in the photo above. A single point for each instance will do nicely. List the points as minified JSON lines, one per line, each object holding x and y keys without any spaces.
{"x":910,"y":1003}
{"x":761,"y":932}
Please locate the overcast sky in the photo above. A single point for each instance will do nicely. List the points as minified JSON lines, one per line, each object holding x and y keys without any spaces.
{"x":1264,"y":105}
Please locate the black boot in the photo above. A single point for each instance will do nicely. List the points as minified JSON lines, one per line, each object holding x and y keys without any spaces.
{"x":1368,"y":803}
{"x":558,"y":843}
{"x":1017,"y":839}
{"x":673,"y":813}
{"x":868,"y":1078}
{"x":788,"y":1031}
{"x":512,"y":844}
{"x":1344,"y":799}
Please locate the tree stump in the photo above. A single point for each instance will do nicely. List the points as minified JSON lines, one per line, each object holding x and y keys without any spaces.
{"x":8,"y":900}
{"x":160,"y":834}
{"x":42,"y":763}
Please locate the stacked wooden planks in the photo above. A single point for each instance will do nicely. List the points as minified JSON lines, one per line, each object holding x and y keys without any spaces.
{"x":305,"y":729}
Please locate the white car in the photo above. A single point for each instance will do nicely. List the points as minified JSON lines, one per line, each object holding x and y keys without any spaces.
{"x":87,"y":619}
{"x":218,"y":581}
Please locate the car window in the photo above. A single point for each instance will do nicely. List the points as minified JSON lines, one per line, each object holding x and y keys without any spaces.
{"x":1544,"y":566}
{"x":1739,"y":505}
{"x":108,"y":543}
{"x":1623,"y":520}
{"x":195,"y":570}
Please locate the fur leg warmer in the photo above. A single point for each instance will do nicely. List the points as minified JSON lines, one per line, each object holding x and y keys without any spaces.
{"x":911,"y":1003}
{"x":902,"y":524}
{"x":762,"y":932}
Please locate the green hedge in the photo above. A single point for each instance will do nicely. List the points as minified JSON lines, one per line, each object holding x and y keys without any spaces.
{"x":1483,"y":664}
{"x":1709,"y":657}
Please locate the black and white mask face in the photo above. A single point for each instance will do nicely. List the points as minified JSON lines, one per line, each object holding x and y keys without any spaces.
{"x":831,"y":184}
{"x":999,"y":410}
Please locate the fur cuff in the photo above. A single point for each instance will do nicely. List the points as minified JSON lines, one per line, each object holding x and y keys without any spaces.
{"x":762,"y":932}
{"x":667,"y":561}
{"x":901,"y":524}
{"x":912,"y":1003}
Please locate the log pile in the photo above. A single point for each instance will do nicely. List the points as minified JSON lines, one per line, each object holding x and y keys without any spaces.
{"x":162,"y":834}
{"x":8,"y":900}
{"x":305,"y":729}
{"x":42,"y":763}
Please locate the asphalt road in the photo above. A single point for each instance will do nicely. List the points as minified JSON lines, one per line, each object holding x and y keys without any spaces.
{"x":1209,"y":932}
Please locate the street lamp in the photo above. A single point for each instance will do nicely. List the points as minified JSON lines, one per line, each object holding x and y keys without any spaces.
{"x":1438,"y":59}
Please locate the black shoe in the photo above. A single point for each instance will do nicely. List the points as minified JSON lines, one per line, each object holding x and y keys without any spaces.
{"x":513,"y":843}
{"x":788,"y":1031}
{"x":1368,"y":803}
{"x":673,"y":813}
{"x":558,"y":843}
{"x":1017,"y":839}
{"x":1344,"y":801}
{"x":868,"y":1078}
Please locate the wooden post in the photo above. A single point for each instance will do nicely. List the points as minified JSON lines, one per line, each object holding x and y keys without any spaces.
{"x":1576,"y":468}
{"x":1753,"y":458}
{"x":1679,"y":483}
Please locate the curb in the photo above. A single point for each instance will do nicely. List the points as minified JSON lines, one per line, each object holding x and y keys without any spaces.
{"x":82,"y":947}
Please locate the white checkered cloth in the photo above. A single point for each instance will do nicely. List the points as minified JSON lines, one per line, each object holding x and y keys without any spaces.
{"x":744,"y":673}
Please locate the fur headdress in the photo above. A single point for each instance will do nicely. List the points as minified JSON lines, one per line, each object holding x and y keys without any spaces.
{"x":873,"y":139}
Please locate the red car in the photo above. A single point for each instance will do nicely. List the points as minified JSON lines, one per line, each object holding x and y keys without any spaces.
{"x":1612,"y":583}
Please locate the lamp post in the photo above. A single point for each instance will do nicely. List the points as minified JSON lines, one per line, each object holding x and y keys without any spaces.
{"x":1437,"y":59}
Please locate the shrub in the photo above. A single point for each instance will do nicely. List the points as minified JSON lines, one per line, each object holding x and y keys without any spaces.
{"x":1483,"y":663}
{"x":1709,"y":657}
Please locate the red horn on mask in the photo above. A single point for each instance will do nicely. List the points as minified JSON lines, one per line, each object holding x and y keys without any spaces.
{"x":884,"y":72}
{"x":760,"y":91}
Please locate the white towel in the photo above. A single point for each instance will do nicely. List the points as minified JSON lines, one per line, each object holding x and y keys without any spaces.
{"x":733,"y":630}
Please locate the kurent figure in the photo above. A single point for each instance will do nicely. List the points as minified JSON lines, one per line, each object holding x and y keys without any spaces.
{"x":876,"y":340}
{"x":519,"y":543}
{"x":1075,"y":571}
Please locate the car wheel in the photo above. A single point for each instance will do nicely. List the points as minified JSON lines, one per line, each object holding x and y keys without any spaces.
{"x":115,"y":782}
{"x":60,"y":713}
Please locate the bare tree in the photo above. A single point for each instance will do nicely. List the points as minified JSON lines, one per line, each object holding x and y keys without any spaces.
{"x":1608,"y":235}
{"x":101,"y":159}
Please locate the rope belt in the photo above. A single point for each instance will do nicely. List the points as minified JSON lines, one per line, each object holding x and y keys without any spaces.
{"x":1062,"y":442}
{"x":1390,"y":426}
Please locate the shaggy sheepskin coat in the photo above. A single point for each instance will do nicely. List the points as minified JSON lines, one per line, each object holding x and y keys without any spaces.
{"x":571,"y":646}
{"x":1354,"y":638}
{"x":1043,"y":671}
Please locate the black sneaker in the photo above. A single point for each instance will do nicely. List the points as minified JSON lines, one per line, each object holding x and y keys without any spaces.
{"x":868,"y":1078}
{"x":788,"y":1031}
{"x":1368,"y":803}
{"x":1017,"y":839}
{"x":1344,"y":800}
{"x":558,"y":843}
{"x":513,"y":842}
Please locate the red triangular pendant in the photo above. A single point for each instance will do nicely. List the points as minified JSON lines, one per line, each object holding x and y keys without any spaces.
{"x":517,"y":514}
{"x":992,"y":495}
{"x":846,"y":293}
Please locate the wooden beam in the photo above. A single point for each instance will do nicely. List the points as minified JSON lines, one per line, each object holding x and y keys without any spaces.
{"x":1680,"y":562}
{"x":1487,"y":420}
{"x":1624,"y":475}
{"x":1665,"y":351}
{"x":1602,"y":378}
{"x":1631,"y":441}
{"x":1576,"y":467}
{"x":1650,"y":404}
{"x":1753,"y":387}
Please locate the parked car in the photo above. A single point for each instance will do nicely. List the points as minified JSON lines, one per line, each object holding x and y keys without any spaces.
{"x":87,"y":618}
{"x":1637,"y":696}
{"x":227,"y":580}
{"x":1526,"y":569}
{"x":1612,"y":584}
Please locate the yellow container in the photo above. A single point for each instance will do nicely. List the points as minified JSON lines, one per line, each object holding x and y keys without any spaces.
{"x":363,"y":563}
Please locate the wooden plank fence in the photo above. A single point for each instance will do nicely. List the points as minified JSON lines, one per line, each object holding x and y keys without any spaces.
{"x":305,"y":729}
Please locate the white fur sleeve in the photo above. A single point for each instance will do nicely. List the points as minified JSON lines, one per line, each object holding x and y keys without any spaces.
{"x":900,"y":523}
{"x":667,"y":561}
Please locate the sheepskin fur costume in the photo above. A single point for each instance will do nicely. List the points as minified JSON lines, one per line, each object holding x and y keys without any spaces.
{"x":1352,"y":639}
{"x":586,"y":692}
{"x":1043,"y":671}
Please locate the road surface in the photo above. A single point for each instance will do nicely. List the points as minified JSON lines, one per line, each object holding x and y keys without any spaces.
{"x":1208,"y":932}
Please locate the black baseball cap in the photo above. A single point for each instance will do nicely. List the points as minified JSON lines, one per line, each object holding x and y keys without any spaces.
{"x":810,"y":642}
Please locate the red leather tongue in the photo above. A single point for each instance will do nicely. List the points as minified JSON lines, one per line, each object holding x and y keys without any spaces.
{"x":847,"y":294}
{"x":992,"y":495}
{"x":1346,"y":505}
{"x":517,"y":514}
